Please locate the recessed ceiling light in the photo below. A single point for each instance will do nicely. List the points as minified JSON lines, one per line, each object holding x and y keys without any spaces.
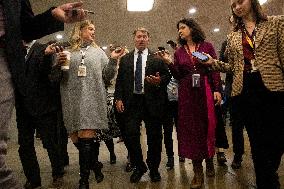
{"x":192,"y":11}
{"x":59,"y":36}
{"x":261,"y":2}
{"x":140,"y":5}
{"x":104,"y":47}
{"x":216,"y":30}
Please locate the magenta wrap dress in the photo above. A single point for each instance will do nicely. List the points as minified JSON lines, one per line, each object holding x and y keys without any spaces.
{"x":196,"y":114}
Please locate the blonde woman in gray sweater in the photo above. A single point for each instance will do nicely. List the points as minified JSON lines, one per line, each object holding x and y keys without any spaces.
{"x":83,"y":96}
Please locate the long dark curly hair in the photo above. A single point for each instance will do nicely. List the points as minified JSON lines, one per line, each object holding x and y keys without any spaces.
{"x":196,"y":32}
{"x":259,"y":15}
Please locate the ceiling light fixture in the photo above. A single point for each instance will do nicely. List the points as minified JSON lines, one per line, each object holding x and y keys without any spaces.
{"x":216,"y":30}
{"x":59,"y":36}
{"x":192,"y":11}
{"x":104,"y":47}
{"x":261,"y":2}
{"x":140,"y":5}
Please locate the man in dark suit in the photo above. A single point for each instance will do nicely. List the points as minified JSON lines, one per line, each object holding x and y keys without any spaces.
{"x":141,"y":94}
{"x":18,"y":22}
{"x":40,"y":109}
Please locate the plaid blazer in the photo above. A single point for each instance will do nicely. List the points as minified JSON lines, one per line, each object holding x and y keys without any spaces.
{"x":269,"y":59}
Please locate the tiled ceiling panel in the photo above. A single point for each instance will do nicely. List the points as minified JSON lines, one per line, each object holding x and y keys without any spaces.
{"x":114,"y":23}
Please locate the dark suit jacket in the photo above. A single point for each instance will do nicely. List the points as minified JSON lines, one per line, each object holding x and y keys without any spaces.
{"x":20,"y":23}
{"x":42,"y":96}
{"x":156,"y":96}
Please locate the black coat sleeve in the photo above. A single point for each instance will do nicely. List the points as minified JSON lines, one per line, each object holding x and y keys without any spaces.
{"x":34,"y":27}
{"x":118,"y":93}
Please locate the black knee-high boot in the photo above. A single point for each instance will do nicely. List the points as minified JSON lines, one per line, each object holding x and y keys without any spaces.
{"x":85,"y":157}
{"x":96,"y":165}
{"x":110,"y":147}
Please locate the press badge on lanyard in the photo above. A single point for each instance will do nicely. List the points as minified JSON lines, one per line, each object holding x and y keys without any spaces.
{"x":82,"y":70}
{"x":195,"y":76}
{"x":252,"y":45}
{"x":195,"y":80}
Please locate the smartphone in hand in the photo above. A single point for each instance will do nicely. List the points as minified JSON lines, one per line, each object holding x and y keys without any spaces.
{"x":172,"y":44}
{"x":161,"y":48}
{"x":200,"y":56}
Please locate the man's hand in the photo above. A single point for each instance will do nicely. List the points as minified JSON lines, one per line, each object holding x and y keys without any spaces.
{"x":51,"y":49}
{"x":69,"y":12}
{"x":119,"y":106}
{"x":165,"y":56}
{"x":154,"y":80}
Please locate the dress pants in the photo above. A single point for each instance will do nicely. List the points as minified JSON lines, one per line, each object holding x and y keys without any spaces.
{"x":7,"y":102}
{"x":237,"y":127}
{"x":47,"y":126}
{"x":137,"y":111}
{"x":220,"y":132}
{"x":168,"y":122}
{"x":263,"y":112}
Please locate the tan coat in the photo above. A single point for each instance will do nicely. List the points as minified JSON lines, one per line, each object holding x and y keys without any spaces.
{"x":269,"y":46}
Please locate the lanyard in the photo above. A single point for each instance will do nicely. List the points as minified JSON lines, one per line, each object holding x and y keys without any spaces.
{"x":193,"y":60}
{"x":251,"y":42}
{"x":83,"y":53}
{"x":188,"y":50}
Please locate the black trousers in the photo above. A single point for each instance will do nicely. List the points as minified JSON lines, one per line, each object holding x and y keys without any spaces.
{"x":237,"y":127}
{"x":220,"y":132}
{"x":171,"y":117}
{"x":263,"y":113}
{"x":120,"y":119}
{"x":47,"y":126}
{"x":137,"y":112}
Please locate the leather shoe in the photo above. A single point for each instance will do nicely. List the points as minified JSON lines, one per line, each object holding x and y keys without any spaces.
{"x":83,"y":184}
{"x":137,"y":174}
{"x":221,"y":158}
{"x":98,"y":171}
{"x":128,"y":167}
{"x":181,"y":159}
{"x":29,"y":185}
{"x":57,"y":182}
{"x":237,"y":163}
{"x":170,"y":163}
{"x":112,"y":159}
{"x":155,"y":176}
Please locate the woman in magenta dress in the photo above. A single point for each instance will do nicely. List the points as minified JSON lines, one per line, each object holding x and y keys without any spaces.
{"x":198,"y":87}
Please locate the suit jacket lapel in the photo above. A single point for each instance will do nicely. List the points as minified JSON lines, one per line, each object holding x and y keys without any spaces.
{"x":131,"y":63}
{"x":261,"y":29}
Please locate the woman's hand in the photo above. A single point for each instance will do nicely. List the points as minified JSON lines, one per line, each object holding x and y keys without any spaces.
{"x":61,"y":58}
{"x":165,"y":56}
{"x":117,"y":55}
{"x":209,"y":62}
{"x":217,"y":98}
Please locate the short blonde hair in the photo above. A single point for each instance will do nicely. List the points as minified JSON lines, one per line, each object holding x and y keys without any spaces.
{"x":75,"y":37}
{"x":143,"y":30}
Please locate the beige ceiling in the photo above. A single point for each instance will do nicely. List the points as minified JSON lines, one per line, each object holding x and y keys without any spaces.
{"x":115,"y":23}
